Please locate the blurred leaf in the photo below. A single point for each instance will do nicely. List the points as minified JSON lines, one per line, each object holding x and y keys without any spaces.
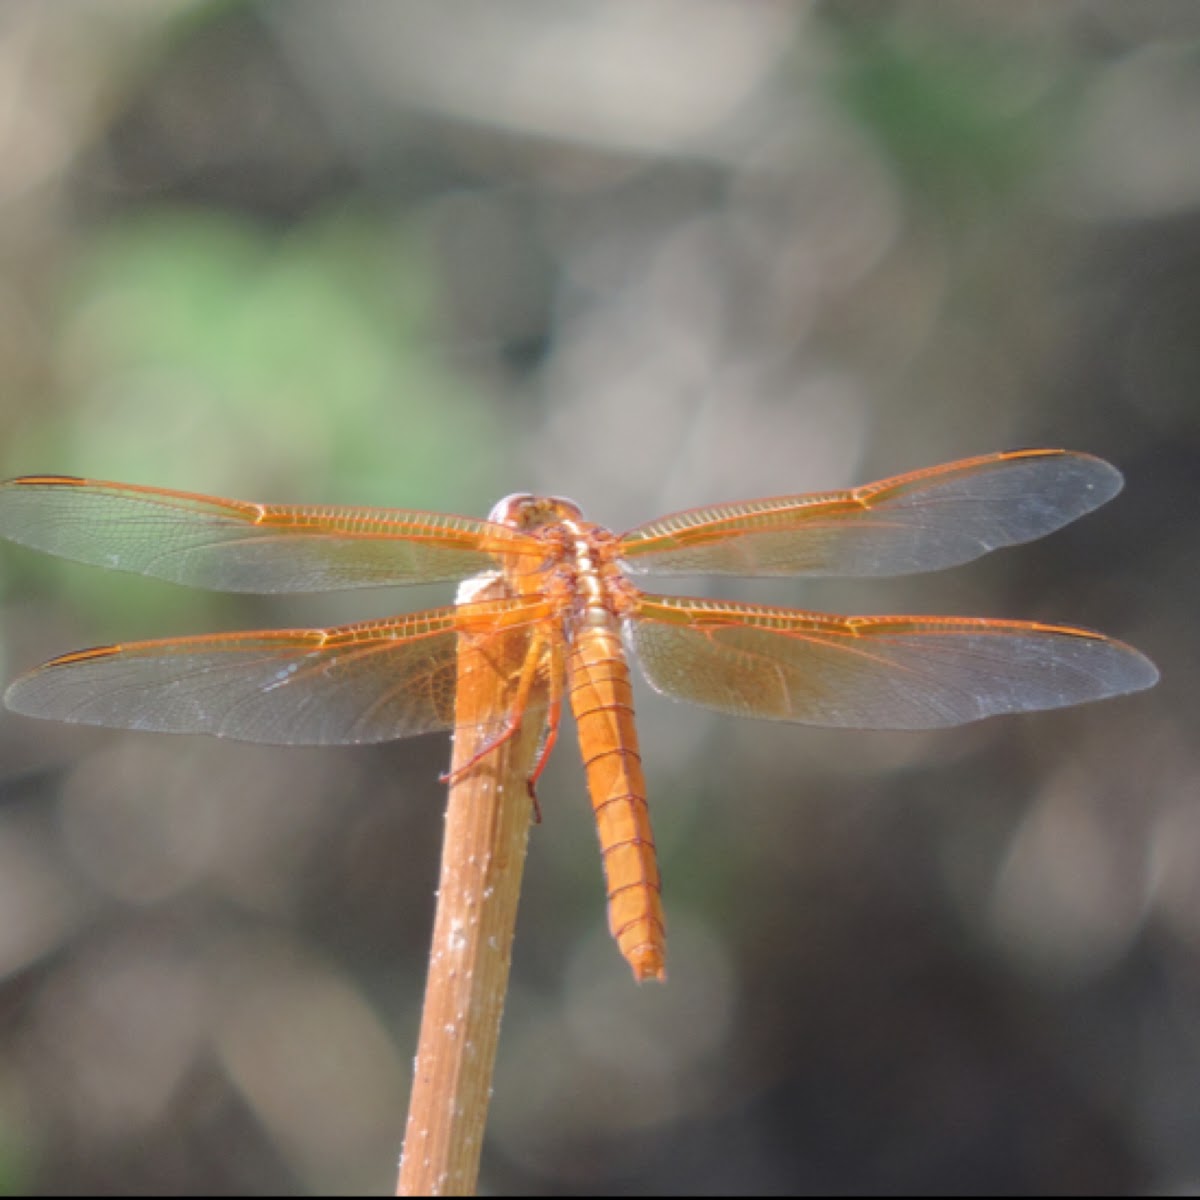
{"x":206,"y":352}
{"x":955,"y":109}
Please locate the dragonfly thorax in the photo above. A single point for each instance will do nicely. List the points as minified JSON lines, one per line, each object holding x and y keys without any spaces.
{"x":580,"y":556}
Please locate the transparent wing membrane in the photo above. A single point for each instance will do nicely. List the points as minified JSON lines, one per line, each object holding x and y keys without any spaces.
{"x":368,"y":682}
{"x":234,"y":546}
{"x":872,"y":672}
{"x":387,"y":679}
{"x":919,"y":522}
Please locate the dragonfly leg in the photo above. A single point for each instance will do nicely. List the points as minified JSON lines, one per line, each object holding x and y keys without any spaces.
{"x":554,"y":682}
{"x":530,"y":669}
{"x":512,"y":727}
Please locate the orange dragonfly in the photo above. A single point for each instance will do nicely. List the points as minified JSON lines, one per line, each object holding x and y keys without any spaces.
{"x":570,"y":614}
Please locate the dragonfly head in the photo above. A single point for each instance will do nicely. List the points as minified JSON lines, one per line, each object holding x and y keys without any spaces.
{"x":526,"y":512}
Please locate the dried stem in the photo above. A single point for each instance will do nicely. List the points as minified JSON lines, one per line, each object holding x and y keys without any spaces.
{"x":487,"y":829}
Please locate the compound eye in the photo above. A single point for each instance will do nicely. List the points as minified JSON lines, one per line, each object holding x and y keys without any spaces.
{"x":566,"y":510}
{"x":524,"y":511}
{"x":512,"y":510}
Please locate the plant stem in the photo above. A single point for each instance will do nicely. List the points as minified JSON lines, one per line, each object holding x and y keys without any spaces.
{"x":487,"y":831}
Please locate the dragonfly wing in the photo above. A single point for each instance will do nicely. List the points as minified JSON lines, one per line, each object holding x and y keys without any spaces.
{"x":368,"y":682}
{"x":918,"y":522}
{"x":235,"y":546}
{"x":872,"y":672}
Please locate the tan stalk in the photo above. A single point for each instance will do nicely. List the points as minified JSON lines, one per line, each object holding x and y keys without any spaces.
{"x":487,"y":830}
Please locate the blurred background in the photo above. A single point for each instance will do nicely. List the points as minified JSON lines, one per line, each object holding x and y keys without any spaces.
{"x":646,"y":254}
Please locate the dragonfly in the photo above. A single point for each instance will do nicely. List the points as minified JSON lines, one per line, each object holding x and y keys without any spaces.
{"x":569,"y":619}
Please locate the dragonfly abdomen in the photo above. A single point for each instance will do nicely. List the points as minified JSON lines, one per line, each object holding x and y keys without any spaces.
{"x":602,"y":702}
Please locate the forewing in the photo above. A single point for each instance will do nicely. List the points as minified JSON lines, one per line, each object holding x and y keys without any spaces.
{"x":872,"y":672}
{"x":235,"y":546}
{"x":368,"y":682}
{"x":919,"y":522}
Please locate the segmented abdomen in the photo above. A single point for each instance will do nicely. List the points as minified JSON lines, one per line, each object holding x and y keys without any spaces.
{"x":602,"y":701}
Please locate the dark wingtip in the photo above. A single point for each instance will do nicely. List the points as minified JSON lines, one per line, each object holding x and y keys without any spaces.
{"x":43,"y":480}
